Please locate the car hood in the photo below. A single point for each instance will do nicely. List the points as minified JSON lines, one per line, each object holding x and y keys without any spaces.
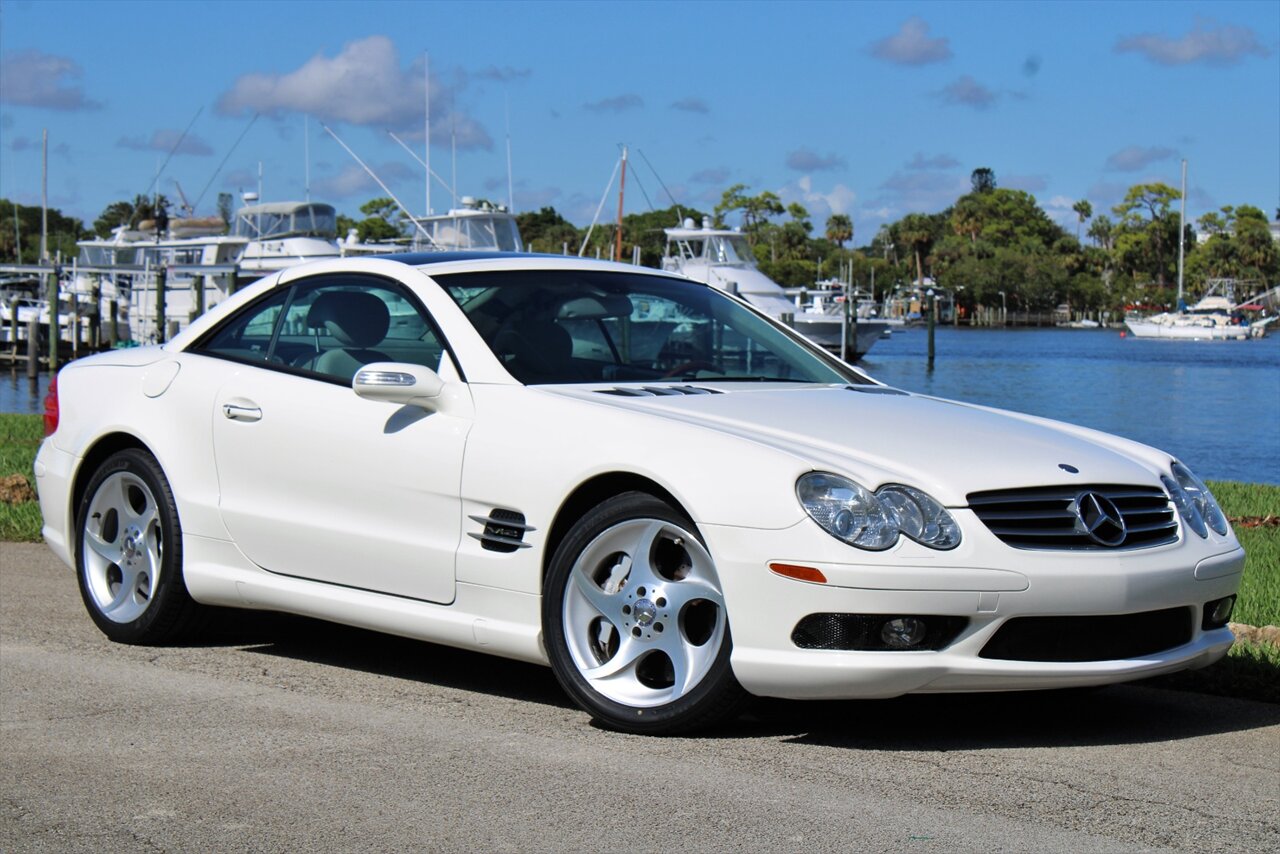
{"x":880,"y":435}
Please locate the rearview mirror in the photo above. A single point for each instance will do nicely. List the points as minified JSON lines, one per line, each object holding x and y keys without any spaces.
{"x":399,"y":382}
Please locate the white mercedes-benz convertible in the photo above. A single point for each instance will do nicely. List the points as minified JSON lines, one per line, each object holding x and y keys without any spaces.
{"x":638,"y":479}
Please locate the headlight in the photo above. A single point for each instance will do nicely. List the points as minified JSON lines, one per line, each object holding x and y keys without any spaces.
{"x":859,"y":517}
{"x":1195,"y":502}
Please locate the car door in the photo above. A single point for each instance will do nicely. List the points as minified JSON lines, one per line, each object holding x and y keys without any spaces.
{"x":316,"y":482}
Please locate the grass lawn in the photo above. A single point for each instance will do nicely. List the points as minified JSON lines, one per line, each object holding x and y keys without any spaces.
{"x":1252,"y":669}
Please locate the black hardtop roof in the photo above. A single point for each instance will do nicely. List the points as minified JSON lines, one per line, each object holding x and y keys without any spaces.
{"x":422,"y":259}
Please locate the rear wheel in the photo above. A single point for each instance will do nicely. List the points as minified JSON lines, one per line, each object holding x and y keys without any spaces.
{"x":635,"y":620}
{"x":129,"y":553}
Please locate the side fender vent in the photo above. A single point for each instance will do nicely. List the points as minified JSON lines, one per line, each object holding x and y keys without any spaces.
{"x":504,"y":531}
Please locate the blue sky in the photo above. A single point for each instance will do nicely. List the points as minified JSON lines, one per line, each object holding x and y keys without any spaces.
{"x":869,"y":109}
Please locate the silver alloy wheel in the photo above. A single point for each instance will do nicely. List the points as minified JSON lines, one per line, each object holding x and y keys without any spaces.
{"x":123,"y":547}
{"x":643,"y":614}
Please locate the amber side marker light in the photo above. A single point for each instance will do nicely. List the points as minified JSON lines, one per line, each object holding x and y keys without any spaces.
{"x":800,"y":573}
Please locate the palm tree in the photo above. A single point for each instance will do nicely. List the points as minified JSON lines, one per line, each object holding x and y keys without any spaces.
{"x":1083,"y":210}
{"x":839,"y":229}
{"x":914,"y":231}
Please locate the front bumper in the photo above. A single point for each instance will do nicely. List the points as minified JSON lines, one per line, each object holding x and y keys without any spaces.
{"x":983,"y":581}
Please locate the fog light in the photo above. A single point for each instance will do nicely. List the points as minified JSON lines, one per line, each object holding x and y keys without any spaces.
{"x":1217,"y":613}
{"x":903,"y":632}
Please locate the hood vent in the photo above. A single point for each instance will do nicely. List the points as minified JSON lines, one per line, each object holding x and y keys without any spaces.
{"x":878,"y":389}
{"x":657,"y":391}
{"x":504,"y":531}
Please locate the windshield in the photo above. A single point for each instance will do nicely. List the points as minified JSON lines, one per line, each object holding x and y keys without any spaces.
{"x":574,"y":326}
{"x":731,"y":250}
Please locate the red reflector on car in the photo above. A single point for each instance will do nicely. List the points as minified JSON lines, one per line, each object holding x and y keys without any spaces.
{"x":51,"y":408}
{"x":801,"y":573}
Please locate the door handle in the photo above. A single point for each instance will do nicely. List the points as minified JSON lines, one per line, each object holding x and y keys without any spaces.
{"x":241,"y":413}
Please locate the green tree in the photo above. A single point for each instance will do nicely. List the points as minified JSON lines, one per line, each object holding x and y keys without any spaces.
{"x":756,"y":210}
{"x":225,"y":205}
{"x":1147,"y":230}
{"x":382,"y":221}
{"x":63,"y":233}
{"x":1255,"y":248}
{"x":915,"y":233}
{"x":839,"y":229}
{"x":128,"y":213}
{"x":983,"y":180}
{"x":647,"y":230}
{"x":1102,"y":231}
{"x":1083,"y":210}
{"x":547,"y":231}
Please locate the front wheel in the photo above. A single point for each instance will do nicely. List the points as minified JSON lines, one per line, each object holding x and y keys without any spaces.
{"x":129,"y":553}
{"x":635,"y":620}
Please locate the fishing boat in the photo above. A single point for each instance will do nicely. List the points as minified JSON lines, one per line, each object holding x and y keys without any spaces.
{"x":722,"y":258}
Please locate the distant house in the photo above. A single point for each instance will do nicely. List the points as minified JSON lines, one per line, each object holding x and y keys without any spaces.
{"x":1202,"y":237}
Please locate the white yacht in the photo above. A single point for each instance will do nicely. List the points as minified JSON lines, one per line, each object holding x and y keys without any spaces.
{"x":282,"y":234}
{"x":476,"y":226}
{"x":125,"y":268}
{"x":722,"y":257}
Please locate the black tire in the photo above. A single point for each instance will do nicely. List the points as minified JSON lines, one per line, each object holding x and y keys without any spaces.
{"x":129,"y":554}
{"x":659,"y":607}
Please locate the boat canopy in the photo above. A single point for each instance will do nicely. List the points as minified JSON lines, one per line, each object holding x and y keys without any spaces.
{"x":469,"y":230}
{"x":278,"y":220}
{"x":712,"y":246}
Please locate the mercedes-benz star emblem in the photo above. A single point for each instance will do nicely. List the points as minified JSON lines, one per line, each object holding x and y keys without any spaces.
{"x":1099,"y":518}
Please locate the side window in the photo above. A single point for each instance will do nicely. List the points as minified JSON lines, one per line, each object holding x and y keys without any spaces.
{"x":247,"y":336}
{"x":335,"y":326}
{"x":331,"y":326}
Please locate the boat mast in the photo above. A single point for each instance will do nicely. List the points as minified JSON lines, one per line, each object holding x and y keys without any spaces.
{"x":511,"y":196}
{"x":622,"y":188}
{"x":426,"y":128}
{"x":1182,"y":231}
{"x":306,"y":155}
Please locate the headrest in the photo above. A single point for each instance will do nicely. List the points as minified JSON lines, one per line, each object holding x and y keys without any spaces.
{"x":355,"y":318}
{"x":540,"y":345}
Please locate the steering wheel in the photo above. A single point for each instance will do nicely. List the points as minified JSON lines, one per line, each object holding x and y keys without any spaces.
{"x":691,"y":365}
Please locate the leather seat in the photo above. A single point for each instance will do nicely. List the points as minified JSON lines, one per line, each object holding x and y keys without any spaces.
{"x":536,"y":351}
{"x":358,"y":321}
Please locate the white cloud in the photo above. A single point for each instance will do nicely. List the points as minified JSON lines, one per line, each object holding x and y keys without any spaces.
{"x":911,"y":45}
{"x":351,"y":180}
{"x":938,"y":161}
{"x":1136,"y":158}
{"x":805,"y":160}
{"x":363,"y":85}
{"x":616,"y":104}
{"x":691,"y":104}
{"x":34,"y":79}
{"x":165,"y":140}
{"x":1206,"y":43}
{"x":820,"y":203}
{"x":967,"y":92}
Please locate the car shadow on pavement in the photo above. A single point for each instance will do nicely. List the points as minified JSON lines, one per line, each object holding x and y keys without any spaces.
{"x":319,"y":642}
{"x":1119,"y":714}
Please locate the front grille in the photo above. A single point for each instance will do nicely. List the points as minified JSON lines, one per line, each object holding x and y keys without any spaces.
{"x":1110,"y":638}
{"x":1046,"y":517}
{"x":862,"y":632}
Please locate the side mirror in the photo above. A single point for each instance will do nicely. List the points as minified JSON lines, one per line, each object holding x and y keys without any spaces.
{"x":400,"y":382}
